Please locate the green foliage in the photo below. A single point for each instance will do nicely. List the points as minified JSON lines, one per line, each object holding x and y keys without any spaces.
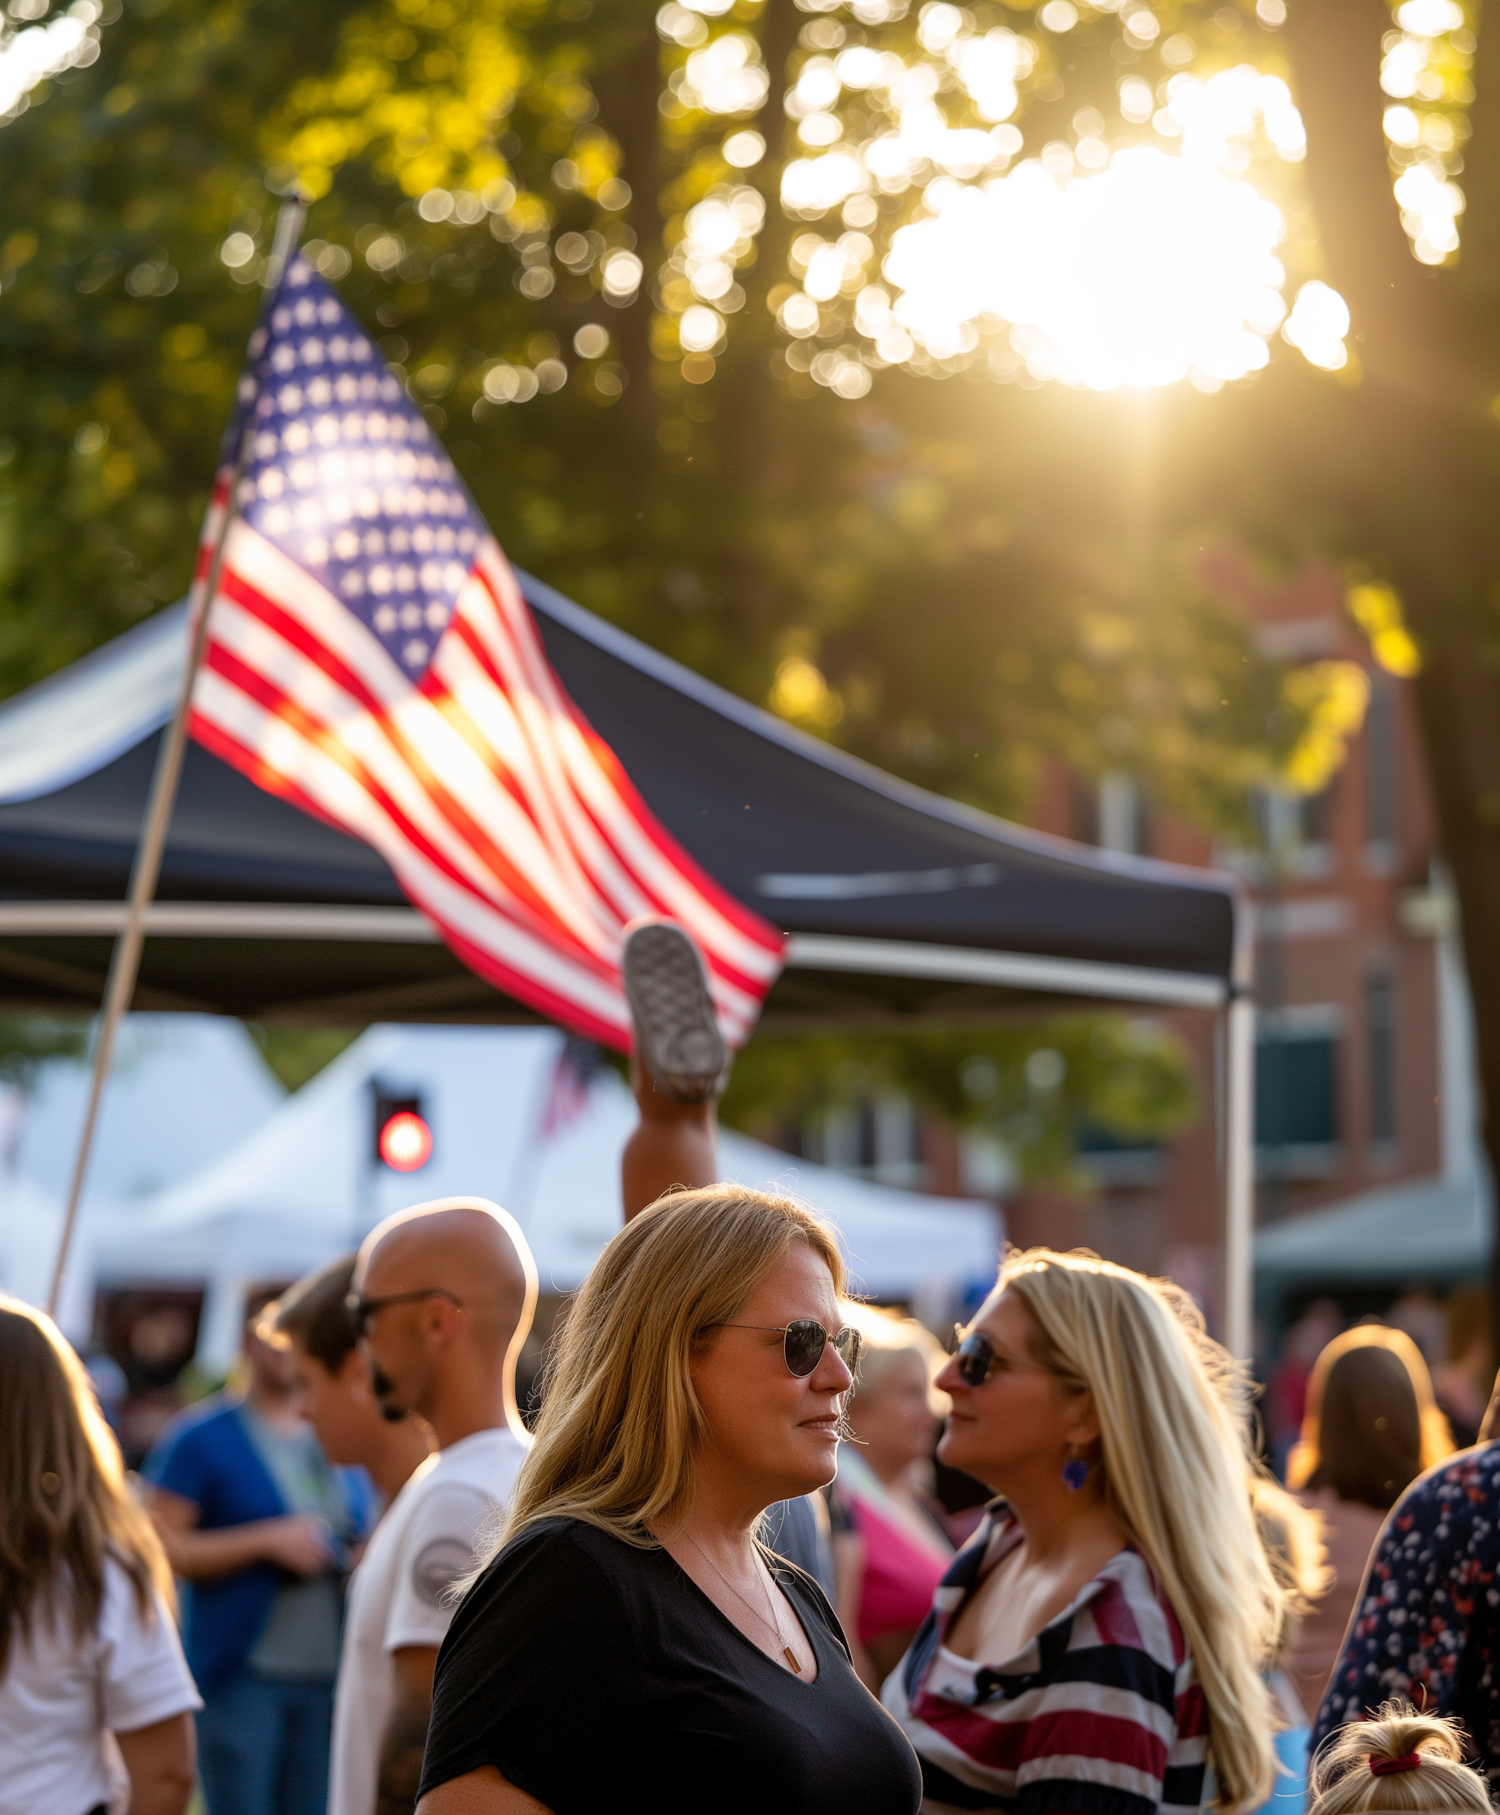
{"x":28,"y":1041}
{"x":1035,"y":1086}
{"x":950,"y":580}
{"x":296,"y":1054}
{"x":953,"y":580}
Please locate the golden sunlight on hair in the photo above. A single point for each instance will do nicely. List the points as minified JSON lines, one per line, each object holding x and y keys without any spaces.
{"x":619,"y":1424}
{"x":1347,"y":1775}
{"x":1176,"y":1469}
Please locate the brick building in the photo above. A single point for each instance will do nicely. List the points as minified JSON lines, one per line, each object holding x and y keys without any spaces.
{"x":1364,"y":1083}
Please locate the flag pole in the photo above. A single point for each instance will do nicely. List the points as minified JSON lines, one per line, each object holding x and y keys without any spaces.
{"x":125,"y":961}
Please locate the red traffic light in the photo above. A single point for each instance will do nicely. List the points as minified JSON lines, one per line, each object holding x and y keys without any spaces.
{"x":405,"y":1142}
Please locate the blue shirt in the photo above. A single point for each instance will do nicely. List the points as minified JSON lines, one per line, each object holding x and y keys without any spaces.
{"x":205,"y":1455}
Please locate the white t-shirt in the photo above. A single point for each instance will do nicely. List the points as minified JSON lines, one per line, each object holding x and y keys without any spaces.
{"x":424,"y":1542}
{"x":58,"y":1698}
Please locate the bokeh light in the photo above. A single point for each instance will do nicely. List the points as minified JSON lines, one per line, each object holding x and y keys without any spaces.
{"x":31,"y":57}
{"x":1155,"y":270}
{"x":1424,"y":71}
{"x":1099,"y":261}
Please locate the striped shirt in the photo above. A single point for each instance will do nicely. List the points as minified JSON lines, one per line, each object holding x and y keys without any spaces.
{"x":1100,"y":1714}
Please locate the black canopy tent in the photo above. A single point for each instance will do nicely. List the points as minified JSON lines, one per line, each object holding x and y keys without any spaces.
{"x":900,"y":906}
{"x":899,"y":903}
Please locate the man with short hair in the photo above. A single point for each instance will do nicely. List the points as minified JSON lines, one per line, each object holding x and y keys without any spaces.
{"x":442,"y":1302}
{"x":259,"y":1524}
{"x":313,"y":1321}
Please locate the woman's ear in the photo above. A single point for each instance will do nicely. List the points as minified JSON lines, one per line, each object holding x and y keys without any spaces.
{"x":1081,"y":1427}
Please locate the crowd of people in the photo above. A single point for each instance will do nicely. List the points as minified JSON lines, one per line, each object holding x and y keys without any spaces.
{"x":717,"y":1572}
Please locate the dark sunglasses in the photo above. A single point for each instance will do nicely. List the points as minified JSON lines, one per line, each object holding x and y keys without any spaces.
{"x":361,"y":1310}
{"x":805,"y":1341}
{"x":974,"y":1358}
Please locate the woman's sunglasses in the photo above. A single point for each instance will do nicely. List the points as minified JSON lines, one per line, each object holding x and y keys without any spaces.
{"x":805,"y":1341}
{"x":974,"y":1358}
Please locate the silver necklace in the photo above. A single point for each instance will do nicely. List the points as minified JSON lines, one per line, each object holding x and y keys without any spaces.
{"x":786,"y":1650}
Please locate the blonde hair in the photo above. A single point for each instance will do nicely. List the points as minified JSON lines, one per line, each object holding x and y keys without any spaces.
{"x":620,"y":1423}
{"x":1372,"y":1424}
{"x":65,"y":1504}
{"x":1175,"y":1470}
{"x":1341,"y":1782}
{"x":890,"y":1338}
{"x":1293,"y":1538}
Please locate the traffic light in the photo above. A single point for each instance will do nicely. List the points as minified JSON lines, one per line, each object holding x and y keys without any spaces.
{"x":403,"y":1140}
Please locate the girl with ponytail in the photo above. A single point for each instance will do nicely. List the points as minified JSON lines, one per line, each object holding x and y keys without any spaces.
{"x":1398,"y":1760}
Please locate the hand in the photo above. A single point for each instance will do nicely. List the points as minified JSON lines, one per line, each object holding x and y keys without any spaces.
{"x":299,"y":1542}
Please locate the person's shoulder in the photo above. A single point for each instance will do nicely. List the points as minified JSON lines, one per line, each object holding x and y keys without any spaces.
{"x":1129,"y":1611}
{"x":566,"y":1565}
{"x":196,"y":1427}
{"x":487,"y":1461}
{"x":124,"y":1604}
{"x":1453,"y":1490}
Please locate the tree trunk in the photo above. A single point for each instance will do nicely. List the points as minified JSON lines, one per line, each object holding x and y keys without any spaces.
{"x":1413,"y":454}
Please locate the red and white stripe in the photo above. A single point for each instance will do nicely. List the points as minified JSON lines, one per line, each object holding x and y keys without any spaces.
{"x":508,"y":822}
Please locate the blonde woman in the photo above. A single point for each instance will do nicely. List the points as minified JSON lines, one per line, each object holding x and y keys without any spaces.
{"x":87,"y":1643}
{"x":889,"y":1552}
{"x":629,"y":1644}
{"x":1372,"y":1426}
{"x":1102,"y":1638}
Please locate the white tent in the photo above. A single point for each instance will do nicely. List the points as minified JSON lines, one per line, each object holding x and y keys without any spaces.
{"x":30,"y":1229}
{"x":305,"y":1185}
{"x":182,"y":1089}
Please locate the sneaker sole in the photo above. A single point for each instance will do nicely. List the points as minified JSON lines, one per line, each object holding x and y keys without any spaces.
{"x":677,"y":1035}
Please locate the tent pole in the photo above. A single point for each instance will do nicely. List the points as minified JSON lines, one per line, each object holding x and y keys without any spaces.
{"x":1239,"y":1176}
{"x":125,"y":961}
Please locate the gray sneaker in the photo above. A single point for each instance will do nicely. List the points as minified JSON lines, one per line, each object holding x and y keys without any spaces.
{"x":676,"y":1034}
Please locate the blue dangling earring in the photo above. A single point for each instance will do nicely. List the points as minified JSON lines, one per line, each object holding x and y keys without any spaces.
{"x":1075,"y":1472}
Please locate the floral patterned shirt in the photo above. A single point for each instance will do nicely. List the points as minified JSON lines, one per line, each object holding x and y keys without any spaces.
{"x":1427,"y":1625}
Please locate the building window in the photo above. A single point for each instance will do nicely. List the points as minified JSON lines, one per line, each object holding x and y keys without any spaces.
{"x":1112,"y":813}
{"x":1382,"y":771}
{"x":1122,"y":814}
{"x":1296,"y":1094}
{"x":872,"y":1137}
{"x":1380,"y":1053}
{"x":1295,"y":830}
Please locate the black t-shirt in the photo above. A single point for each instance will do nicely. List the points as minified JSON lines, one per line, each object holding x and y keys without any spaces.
{"x":596,"y":1675}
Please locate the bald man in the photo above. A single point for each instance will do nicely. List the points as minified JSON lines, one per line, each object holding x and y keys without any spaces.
{"x":442,"y":1301}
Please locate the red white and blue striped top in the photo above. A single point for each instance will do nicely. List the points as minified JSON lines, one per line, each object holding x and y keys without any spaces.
{"x":1100,"y":1714}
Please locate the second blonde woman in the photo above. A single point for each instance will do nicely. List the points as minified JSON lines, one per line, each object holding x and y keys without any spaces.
{"x":1102,"y":1639}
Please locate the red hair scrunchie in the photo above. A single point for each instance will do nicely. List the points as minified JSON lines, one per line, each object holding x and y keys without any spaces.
{"x":1384,"y":1767}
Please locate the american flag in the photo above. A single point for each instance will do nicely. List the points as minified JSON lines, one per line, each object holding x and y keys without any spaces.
{"x":370,"y":657}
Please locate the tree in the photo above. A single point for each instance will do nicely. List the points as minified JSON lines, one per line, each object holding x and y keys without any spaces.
{"x":583,"y":233}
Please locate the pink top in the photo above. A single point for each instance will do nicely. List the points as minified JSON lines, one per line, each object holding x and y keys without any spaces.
{"x":1349,"y":1533}
{"x":900,"y":1576}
